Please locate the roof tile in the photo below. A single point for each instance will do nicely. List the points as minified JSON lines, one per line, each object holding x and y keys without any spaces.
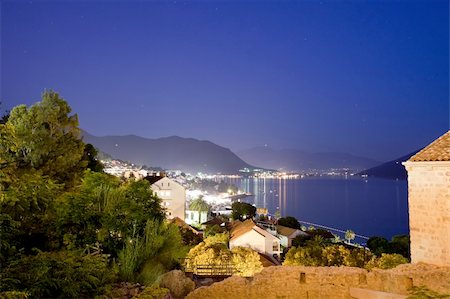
{"x":438,"y":150}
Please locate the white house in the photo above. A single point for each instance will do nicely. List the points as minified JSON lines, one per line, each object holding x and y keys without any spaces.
{"x":196,"y":217}
{"x":287,"y":234}
{"x":173,"y":195}
{"x":248,"y":234}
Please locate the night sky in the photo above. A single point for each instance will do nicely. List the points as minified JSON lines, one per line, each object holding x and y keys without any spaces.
{"x":364,"y":77}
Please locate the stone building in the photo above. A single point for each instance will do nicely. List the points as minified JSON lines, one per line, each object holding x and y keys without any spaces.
{"x":429,"y":203}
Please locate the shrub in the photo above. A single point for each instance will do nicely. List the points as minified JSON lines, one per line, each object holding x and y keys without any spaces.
{"x":59,"y":274}
{"x":246,"y":261}
{"x":154,"y":293}
{"x":178,"y":284}
{"x":387,"y":261}
{"x":316,"y":254}
{"x":14,"y":295}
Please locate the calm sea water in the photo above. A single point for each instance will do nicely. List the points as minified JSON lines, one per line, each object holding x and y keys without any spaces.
{"x":369,"y":207}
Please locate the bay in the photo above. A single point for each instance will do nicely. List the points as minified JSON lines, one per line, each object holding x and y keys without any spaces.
{"x":369,"y":207}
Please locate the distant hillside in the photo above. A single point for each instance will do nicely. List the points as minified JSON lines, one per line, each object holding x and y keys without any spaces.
{"x":187,"y":154}
{"x":390,"y":170}
{"x":297,"y":160}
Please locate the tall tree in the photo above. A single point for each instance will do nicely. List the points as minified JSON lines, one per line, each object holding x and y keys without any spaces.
{"x":289,"y":221}
{"x":242,"y":211}
{"x":45,"y":138}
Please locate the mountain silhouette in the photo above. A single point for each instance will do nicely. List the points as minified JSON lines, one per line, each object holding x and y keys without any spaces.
{"x":186,"y":154}
{"x":297,"y":160}
{"x":390,"y":170}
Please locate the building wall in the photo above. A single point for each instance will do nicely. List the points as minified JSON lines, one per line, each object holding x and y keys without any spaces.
{"x":250,"y":239}
{"x":173,"y":197}
{"x":192,"y":217}
{"x":429,"y":211}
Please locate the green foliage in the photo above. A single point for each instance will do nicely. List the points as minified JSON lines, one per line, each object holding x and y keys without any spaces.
{"x":58,"y":274}
{"x":300,"y":240}
{"x":51,"y":202}
{"x":289,"y":221}
{"x":378,"y":245}
{"x":398,"y":244}
{"x":214,"y":254}
{"x":350,"y":235}
{"x":146,"y":257}
{"x":178,"y":284}
{"x":14,"y":295}
{"x":246,"y":261}
{"x":199,"y":204}
{"x":242,"y":211}
{"x":387,"y":261}
{"x":223,"y":238}
{"x":90,"y":154}
{"x":401,"y":245}
{"x":316,"y":252}
{"x":153,"y":292}
{"x":213,"y":251}
{"x":45,"y":138}
{"x":189,"y":237}
{"x":214,"y":229}
{"x":423,"y":292}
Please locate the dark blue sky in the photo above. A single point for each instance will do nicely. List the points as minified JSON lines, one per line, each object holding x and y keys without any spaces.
{"x":365,"y":77}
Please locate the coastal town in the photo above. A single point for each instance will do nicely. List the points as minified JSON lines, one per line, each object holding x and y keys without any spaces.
{"x":224,"y":149}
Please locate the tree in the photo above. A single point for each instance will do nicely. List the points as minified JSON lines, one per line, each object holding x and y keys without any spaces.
{"x":242,"y":211}
{"x":401,"y":245}
{"x":200,"y":205}
{"x":378,"y":245}
{"x":45,"y":138}
{"x":350,"y":235}
{"x":4,"y":116}
{"x":90,"y":155}
{"x":289,"y":221}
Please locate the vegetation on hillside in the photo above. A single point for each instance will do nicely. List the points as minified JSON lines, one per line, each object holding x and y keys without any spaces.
{"x":67,"y":229}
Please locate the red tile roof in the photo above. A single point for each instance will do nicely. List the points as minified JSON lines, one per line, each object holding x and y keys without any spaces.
{"x":438,"y":150}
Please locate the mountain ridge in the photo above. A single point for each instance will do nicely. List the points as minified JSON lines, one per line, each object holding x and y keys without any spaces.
{"x":300,"y":160}
{"x":393,"y":169}
{"x":172,"y":152}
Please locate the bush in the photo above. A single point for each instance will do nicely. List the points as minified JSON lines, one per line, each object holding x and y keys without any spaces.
{"x":145,"y":258}
{"x":58,"y":274}
{"x":246,"y":261}
{"x":14,"y":295}
{"x":178,"y":284}
{"x":154,"y":293}
{"x":387,"y":261}
{"x":315,"y":254}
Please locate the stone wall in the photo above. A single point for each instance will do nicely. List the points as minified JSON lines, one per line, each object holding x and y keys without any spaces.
{"x":326,"y":282}
{"x":429,"y":211}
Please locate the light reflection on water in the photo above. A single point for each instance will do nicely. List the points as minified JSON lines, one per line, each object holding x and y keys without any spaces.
{"x":369,"y":207}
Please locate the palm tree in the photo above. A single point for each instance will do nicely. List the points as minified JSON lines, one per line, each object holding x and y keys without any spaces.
{"x":200,"y":205}
{"x":350,"y":235}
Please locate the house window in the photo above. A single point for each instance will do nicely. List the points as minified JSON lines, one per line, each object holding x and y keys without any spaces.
{"x":275,"y":246}
{"x":192,"y":215}
{"x":162,"y":184}
{"x":168,"y":184}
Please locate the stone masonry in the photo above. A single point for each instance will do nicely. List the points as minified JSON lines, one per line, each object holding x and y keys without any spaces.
{"x":429,"y":203}
{"x":298,"y":282}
